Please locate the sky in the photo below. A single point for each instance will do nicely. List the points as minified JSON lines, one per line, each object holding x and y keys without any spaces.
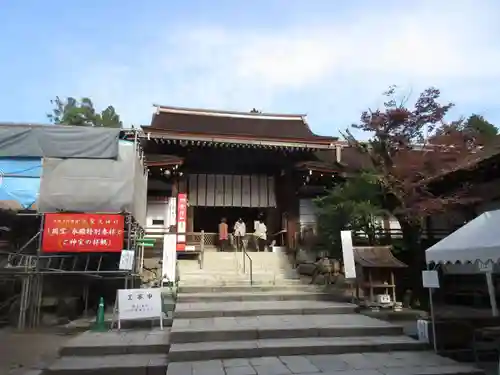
{"x":327,"y":59}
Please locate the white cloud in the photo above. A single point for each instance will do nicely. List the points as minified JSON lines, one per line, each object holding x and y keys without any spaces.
{"x":332,"y":70}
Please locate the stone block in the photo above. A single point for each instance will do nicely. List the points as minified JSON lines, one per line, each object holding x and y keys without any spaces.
{"x":299,"y":364}
{"x":241,"y":370}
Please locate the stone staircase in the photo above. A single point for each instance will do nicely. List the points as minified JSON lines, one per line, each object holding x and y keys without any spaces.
{"x":223,"y":325}
{"x":233,"y":268}
{"x":129,"y":352}
{"x":283,"y":320}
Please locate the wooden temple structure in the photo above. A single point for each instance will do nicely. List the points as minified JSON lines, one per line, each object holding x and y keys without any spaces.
{"x":375,"y":272}
{"x":237,"y":164}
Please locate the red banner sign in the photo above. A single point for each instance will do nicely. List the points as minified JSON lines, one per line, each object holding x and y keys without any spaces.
{"x":80,"y":233}
{"x":181,"y":221}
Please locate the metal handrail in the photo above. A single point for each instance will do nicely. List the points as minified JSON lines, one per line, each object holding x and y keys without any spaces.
{"x":201,"y":258}
{"x":245,"y":255}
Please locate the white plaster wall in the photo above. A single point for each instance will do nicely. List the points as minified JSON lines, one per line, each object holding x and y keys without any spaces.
{"x":157,"y":210}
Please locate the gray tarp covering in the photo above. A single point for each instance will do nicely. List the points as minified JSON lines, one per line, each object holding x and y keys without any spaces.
{"x":86,"y":185}
{"x":58,"y":141}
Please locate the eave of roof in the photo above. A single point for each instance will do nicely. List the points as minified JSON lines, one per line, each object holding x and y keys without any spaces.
{"x":158,"y":160}
{"x":482,"y":157}
{"x":377,"y":257}
{"x":318,"y":166}
{"x":246,"y":140}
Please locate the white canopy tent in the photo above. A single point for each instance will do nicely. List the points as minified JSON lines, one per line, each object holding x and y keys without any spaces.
{"x":477,"y":242}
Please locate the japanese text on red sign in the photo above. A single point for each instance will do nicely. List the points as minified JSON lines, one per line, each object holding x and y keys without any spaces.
{"x":82,"y":232}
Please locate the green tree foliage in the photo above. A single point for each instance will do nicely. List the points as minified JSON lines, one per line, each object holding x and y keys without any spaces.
{"x":479,"y":130}
{"x":82,"y":113}
{"x":478,"y":126}
{"x":354,"y":205}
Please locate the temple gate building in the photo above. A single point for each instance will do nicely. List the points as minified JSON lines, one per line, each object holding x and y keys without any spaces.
{"x":236,"y":164}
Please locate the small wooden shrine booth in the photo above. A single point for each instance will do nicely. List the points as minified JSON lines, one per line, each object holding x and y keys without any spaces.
{"x":375,"y":267}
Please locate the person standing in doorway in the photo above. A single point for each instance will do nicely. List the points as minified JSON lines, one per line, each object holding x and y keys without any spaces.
{"x":223,"y":234}
{"x":239,"y":233}
{"x":261,"y":234}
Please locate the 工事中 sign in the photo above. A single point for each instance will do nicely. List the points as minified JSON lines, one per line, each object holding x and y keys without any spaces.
{"x":74,"y":233}
{"x":139,"y":304}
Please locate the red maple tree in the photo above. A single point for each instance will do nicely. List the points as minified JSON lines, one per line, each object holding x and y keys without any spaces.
{"x":409,"y":146}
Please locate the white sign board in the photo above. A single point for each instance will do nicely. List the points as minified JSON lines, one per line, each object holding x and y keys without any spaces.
{"x":169,"y":258}
{"x":485,"y":267}
{"x":139,"y":304}
{"x":348,"y":254}
{"x":127,"y":260}
{"x":430,"y":279}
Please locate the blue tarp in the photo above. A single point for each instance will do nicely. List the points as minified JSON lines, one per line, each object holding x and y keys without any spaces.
{"x":20,"y":181}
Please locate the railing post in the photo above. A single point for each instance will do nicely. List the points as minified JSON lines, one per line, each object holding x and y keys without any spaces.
{"x":202,"y":247}
{"x":251,"y":271}
{"x":243,"y":254}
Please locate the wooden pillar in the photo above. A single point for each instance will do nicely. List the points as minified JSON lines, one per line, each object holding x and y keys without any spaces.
{"x":393,"y":283}
{"x":182,"y":185}
{"x":190,"y":218}
{"x":290,"y":204}
{"x":175,"y":187}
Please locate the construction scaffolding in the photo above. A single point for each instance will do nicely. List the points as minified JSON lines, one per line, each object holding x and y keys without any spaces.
{"x":109,"y":185}
{"x":31,"y":271}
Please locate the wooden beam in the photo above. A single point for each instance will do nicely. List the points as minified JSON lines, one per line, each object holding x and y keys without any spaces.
{"x":243,"y":142}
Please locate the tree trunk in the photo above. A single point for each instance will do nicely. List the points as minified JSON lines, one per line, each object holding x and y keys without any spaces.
{"x":412,"y":239}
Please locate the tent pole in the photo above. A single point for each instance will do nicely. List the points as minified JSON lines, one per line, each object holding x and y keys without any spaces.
{"x":433,"y":322}
{"x":491,"y":292}
{"x":433,"y":319}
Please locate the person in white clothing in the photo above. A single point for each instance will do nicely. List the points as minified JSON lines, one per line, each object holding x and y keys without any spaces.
{"x":240,"y":230}
{"x":261,"y":234}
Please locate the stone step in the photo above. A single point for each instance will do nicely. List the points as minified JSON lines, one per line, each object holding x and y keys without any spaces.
{"x":236,"y":273}
{"x":291,"y":285}
{"x":278,"y":295}
{"x":261,"y":308}
{"x":91,"y":343}
{"x":289,"y":347}
{"x":278,"y":327}
{"x":215,"y":282}
{"x":126,"y":364}
{"x":395,"y":363}
{"x":233,"y":270}
{"x":219,"y":284}
{"x":255,"y":275}
{"x":226,"y":274}
{"x":241,"y":281}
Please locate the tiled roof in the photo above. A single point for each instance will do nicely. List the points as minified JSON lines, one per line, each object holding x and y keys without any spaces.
{"x":376,"y":257}
{"x":251,"y":125}
{"x":471,"y":162}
